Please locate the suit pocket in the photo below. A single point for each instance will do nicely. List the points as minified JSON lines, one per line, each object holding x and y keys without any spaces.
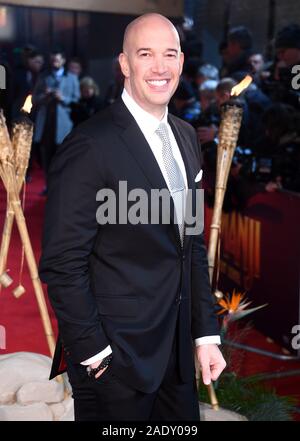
{"x":122,"y":306}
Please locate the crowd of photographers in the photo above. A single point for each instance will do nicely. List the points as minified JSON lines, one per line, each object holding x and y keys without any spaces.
{"x":267,"y":157}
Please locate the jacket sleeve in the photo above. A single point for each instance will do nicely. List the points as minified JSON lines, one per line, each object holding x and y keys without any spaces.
{"x":74,"y":95}
{"x":39,"y":92}
{"x":69,"y":234}
{"x":204,"y":319}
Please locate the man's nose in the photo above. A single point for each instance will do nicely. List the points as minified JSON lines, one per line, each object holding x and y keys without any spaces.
{"x":159,"y":65}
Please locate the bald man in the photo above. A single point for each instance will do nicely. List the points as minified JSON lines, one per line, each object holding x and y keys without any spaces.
{"x":132,"y":298}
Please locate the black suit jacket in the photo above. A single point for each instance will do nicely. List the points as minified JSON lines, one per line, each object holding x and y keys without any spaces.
{"x":121,"y":284}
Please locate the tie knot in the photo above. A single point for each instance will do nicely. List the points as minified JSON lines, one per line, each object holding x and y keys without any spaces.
{"x":162,"y":130}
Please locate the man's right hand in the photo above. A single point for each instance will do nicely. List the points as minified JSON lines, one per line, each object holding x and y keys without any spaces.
{"x":95,"y":365}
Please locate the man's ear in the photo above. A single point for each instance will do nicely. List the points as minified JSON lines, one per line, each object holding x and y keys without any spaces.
{"x":123,"y":60}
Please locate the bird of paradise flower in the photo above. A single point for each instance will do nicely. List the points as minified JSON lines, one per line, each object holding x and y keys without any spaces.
{"x":234,"y":307}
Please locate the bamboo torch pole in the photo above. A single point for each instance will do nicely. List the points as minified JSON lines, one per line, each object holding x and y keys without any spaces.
{"x":231,"y":113}
{"x":39,"y":294}
{"x":228,"y":135}
{"x":6,"y":235}
{"x":21,"y":143}
{"x":8,"y":175}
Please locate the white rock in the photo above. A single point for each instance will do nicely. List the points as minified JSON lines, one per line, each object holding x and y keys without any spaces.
{"x":7,"y":397}
{"x":32,"y":412}
{"x":25,"y":375}
{"x":57,"y":409}
{"x":41,"y":391}
{"x":19,"y":368}
{"x":207,"y":413}
{"x":69,"y":410}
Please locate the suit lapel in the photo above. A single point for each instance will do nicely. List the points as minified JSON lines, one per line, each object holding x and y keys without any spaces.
{"x":138,"y":146}
{"x":142,"y":153}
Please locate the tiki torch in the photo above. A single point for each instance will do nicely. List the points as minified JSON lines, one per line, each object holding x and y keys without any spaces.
{"x":13,"y":165}
{"x":22,"y":132}
{"x":231,"y":118}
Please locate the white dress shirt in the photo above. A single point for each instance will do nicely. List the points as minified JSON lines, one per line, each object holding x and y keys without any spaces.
{"x":148,"y":125}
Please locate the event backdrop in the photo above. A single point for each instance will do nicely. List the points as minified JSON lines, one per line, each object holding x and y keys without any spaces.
{"x":260,"y":254}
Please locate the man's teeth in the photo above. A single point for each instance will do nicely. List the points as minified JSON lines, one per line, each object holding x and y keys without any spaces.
{"x":157,"y":82}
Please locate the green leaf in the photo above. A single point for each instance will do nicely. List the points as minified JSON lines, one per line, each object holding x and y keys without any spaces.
{"x":240,"y":314}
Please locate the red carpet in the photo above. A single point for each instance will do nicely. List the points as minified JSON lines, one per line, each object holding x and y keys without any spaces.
{"x":24,"y":331}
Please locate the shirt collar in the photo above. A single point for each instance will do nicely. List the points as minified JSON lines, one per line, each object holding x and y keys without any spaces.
{"x":59,"y":73}
{"x":147,"y":122}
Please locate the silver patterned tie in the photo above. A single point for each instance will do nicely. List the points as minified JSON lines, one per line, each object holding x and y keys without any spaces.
{"x":175,"y":178}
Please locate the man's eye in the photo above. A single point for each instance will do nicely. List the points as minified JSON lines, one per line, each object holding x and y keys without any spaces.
{"x":145,"y":54}
{"x":171,"y":55}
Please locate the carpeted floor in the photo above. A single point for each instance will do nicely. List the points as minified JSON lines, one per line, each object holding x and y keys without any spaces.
{"x":24,"y":331}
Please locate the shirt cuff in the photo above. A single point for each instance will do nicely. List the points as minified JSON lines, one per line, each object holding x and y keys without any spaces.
{"x":97,"y":357}
{"x":209,"y":340}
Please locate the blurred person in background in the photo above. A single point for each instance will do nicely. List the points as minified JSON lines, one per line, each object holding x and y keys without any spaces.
{"x":75,"y":67}
{"x":207,"y":72}
{"x":25,"y":78}
{"x":272,"y":165}
{"x":287,"y":45}
{"x":256,"y":62}
{"x":236,"y":51}
{"x":185,"y":102}
{"x":115,"y":87}
{"x":278,"y":85}
{"x":208,"y":123}
{"x":89,"y":103}
{"x":207,"y":129}
{"x":277,"y":153}
{"x":53,"y":95}
{"x":207,"y":94}
{"x":191,"y":44}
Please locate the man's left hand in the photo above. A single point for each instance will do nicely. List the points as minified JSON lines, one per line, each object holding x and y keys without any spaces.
{"x":58,"y":95}
{"x":211,"y":362}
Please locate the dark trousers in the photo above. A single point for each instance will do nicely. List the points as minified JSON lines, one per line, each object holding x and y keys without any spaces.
{"x":109,"y":399}
{"x":47,"y":151}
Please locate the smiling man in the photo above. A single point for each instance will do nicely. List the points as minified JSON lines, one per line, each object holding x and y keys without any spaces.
{"x":133,"y":302}
{"x":151,"y":62}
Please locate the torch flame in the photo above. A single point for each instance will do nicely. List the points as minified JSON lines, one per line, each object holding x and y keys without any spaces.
{"x":28,"y":104}
{"x":236,"y":90}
